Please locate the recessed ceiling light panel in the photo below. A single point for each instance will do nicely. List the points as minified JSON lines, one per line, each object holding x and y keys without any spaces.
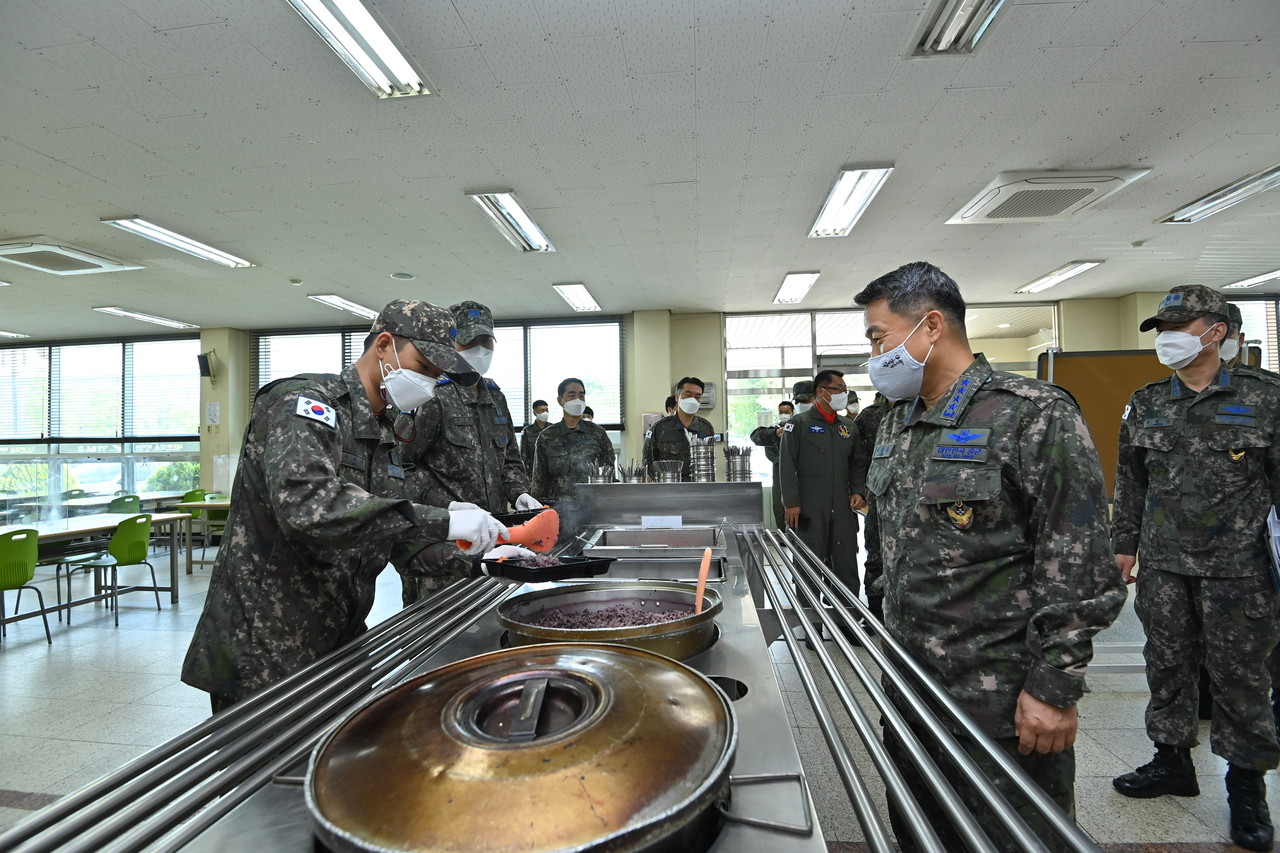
{"x":334,"y":301}
{"x":174,"y":240}
{"x":514,"y":223}
{"x":363,"y":42}
{"x":848,"y":200}
{"x":1255,"y":281}
{"x":578,"y":297}
{"x":1058,"y":276}
{"x":146,"y":318}
{"x":795,"y":286}
{"x":1228,"y":196}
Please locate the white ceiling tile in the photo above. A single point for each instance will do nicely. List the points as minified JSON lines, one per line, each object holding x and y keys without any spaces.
{"x":810,"y":37}
{"x":789,"y":94}
{"x":728,"y":60}
{"x":422,"y":25}
{"x":868,"y":52}
{"x":595,"y":72}
{"x":565,"y":19}
{"x":657,"y":35}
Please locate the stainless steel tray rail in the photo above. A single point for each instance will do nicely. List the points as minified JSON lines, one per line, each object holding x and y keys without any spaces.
{"x":795,"y":566}
{"x":190,"y":782}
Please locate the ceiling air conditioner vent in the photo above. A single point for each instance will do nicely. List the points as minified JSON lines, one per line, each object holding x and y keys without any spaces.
{"x":1042,"y":196}
{"x":41,"y":253}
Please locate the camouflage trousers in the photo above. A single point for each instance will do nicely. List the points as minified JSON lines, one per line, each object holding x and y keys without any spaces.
{"x":779,"y":511}
{"x":1230,"y":624}
{"x":1055,"y":773}
{"x":873,"y":570}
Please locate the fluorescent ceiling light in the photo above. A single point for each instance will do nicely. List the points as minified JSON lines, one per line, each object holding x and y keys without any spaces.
{"x":794,"y":287}
{"x":1058,"y":276}
{"x":1004,"y":325}
{"x":362,"y":42}
{"x":174,"y":240}
{"x":1256,"y":280}
{"x":510,"y":218}
{"x":850,"y":196}
{"x":1219,"y":200}
{"x":13,"y":335}
{"x":344,"y":305}
{"x":146,"y":318}
{"x":953,"y":27}
{"x":578,"y":297}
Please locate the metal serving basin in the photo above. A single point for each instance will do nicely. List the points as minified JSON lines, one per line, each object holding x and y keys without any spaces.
{"x":655,"y":542}
{"x":664,"y":568}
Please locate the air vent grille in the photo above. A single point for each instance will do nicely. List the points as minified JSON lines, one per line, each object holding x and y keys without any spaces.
{"x":1039,"y":203}
{"x":41,"y":253}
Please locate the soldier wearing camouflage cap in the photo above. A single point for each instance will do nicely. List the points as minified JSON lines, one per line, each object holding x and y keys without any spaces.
{"x":1198,"y":469}
{"x":993,"y":532}
{"x":463,"y":448}
{"x":319,"y":507}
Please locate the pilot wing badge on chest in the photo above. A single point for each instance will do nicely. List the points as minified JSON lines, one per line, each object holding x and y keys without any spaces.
{"x":961,"y":515}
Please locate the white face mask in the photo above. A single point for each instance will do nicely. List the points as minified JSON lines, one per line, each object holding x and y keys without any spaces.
{"x":478,"y":357}
{"x":839,"y":401}
{"x":407,"y":389}
{"x":801,"y":408}
{"x":896,"y":374}
{"x":688,"y":405}
{"x":1229,"y":349}
{"x":1178,"y":349}
{"x":574,"y":408}
{"x":782,"y":419}
{"x":543,"y":416}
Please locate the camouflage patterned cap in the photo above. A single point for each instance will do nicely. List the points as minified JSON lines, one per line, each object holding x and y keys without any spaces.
{"x":1234,"y":318}
{"x":1185,"y":303}
{"x":803,"y":390}
{"x":431,"y":329}
{"x":472,"y":320}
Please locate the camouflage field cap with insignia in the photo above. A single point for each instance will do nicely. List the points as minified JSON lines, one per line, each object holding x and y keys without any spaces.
{"x":472,"y":320}
{"x":803,"y":391}
{"x":431,"y":329}
{"x":1185,"y":303}
{"x":1234,"y":318}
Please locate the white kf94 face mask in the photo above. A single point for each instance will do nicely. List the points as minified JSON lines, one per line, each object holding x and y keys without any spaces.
{"x":407,"y":389}
{"x":1178,"y":349}
{"x":574,"y":408}
{"x":688,"y":405}
{"x":479,"y":358}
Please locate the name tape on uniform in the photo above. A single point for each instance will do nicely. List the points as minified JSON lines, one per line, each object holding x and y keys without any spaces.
{"x":317,"y":411}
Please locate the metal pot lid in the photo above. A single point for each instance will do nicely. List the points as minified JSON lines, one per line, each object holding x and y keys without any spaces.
{"x":559,"y":747}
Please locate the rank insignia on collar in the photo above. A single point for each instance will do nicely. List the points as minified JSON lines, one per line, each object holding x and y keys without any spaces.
{"x":843,"y":431}
{"x":961,"y":515}
{"x":1236,"y":455}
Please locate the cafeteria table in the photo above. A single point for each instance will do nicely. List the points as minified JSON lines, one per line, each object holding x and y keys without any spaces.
{"x":149,"y":501}
{"x":198,"y":505}
{"x":63,"y":529}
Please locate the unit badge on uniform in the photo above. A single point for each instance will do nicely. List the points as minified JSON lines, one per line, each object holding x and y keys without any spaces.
{"x":1236,"y":455}
{"x":961,"y":515}
{"x":317,"y":411}
{"x":820,"y":430}
{"x":843,"y":431}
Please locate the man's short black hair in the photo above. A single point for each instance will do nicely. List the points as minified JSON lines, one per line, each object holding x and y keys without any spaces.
{"x":790,"y":405}
{"x":825,"y":376}
{"x":671,"y":402}
{"x":588,"y":412}
{"x":536,"y":403}
{"x":567,"y":382}
{"x":369,"y":339}
{"x":689,"y":380}
{"x":914,"y":289}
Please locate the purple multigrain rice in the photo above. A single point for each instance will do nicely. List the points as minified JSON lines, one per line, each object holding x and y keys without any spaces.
{"x":541,"y":561}
{"x":613,"y":616}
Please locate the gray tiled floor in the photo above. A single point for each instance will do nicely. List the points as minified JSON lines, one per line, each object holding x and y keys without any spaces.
{"x":101,"y":695}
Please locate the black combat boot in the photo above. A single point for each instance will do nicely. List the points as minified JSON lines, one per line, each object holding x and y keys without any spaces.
{"x":1170,"y":772}
{"x":875,"y":603}
{"x":1250,"y":820}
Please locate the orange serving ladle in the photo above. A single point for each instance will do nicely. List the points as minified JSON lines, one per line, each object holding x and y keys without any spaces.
{"x":538,"y":534}
{"x":702,"y":580}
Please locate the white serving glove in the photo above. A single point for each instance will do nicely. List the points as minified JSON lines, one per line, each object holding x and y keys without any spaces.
{"x":526,"y":501}
{"x":453,"y":505}
{"x":477,"y":527}
{"x":507,"y":552}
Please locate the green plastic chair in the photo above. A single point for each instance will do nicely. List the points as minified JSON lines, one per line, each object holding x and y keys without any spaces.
{"x":128,"y":547}
{"x":130,"y":504}
{"x":215,"y":519}
{"x":74,"y":493}
{"x":18,"y":550}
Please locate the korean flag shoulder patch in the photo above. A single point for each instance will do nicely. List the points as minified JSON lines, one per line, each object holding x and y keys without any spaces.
{"x":788,"y":427}
{"x":317,"y":411}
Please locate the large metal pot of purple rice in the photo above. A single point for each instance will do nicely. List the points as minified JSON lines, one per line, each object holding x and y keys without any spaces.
{"x":653,"y":615}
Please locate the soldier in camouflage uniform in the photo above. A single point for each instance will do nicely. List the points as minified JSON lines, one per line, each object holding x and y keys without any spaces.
{"x":317,"y":509}
{"x":993,"y":531}
{"x":463,"y":447}
{"x":868,"y":422}
{"x":822,"y":473}
{"x":668,"y":438}
{"x":529,"y":435}
{"x":1197,"y":472}
{"x":769,"y":437}
{"x":571,"y":450}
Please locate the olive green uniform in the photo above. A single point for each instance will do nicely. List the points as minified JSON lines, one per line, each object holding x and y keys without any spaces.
{"x":768,"y":438}
{"x":820,"y":466}
{"x":529,"y":440}
{"x":666,"y":440}
{"x":565,"y":457}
